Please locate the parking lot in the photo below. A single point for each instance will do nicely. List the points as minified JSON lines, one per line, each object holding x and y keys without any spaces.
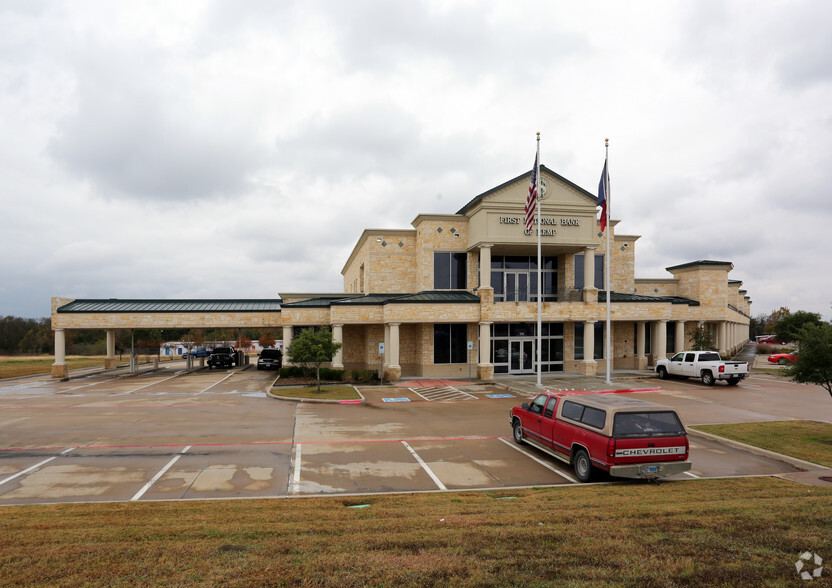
{"x":215,"y":434}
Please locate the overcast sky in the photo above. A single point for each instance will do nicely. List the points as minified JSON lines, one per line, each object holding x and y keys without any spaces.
{"x":238,"y":149}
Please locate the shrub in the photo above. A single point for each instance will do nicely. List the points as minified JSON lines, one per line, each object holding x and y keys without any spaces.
{"x":331,"y":375}
{"x":763,"y":349}
{"x":364,"y":375}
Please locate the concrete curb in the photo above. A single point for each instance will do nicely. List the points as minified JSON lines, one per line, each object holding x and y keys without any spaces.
{"x":271,"y":394}
{"x":793,"y":461}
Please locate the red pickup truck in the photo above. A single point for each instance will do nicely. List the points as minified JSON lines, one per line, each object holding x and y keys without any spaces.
{"x":624,"y":436}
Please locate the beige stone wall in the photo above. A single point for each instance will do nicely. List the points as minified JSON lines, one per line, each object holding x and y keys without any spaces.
{"x":657,"y":287}
{"x":430,"y":238}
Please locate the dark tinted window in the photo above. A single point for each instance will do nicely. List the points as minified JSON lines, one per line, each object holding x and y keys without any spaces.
{"x":647,"y":424}
{"x":709,"y":357}
{"x":572,"y":411}
{"x":450,"y":343}
{"x":689,"y":357}
{"x":594,"y":417}
{"x":270,"y":353}
{"x":550,"y":408}
{"x":449,"y":270}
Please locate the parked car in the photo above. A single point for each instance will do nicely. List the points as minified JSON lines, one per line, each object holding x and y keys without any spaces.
{"x":774,"y":341}
{"x":222,"y":357}
{"x":198,"y":352}
{"x":625,"y":436}
{"x":783,"y":358}
{"x":270,"y":359}
{"x":702,"y":364}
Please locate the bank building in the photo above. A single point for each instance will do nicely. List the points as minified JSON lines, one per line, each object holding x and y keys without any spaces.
{"x":456,"y":293}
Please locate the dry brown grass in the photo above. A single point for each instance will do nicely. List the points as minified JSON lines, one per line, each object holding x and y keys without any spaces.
{"x":741,"y":532}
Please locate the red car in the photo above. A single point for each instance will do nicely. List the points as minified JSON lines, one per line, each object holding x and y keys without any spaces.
{"x":782,"y":358}
{"x":773,"y":341}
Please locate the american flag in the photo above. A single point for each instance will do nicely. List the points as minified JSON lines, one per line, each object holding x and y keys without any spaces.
{"x":531,"y":200}
{"x":603,"y":195}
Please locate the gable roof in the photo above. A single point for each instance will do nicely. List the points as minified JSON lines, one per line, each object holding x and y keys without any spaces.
{"x":520,"y":177}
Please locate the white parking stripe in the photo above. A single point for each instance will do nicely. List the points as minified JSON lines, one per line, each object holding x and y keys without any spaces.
{"x":692,"y":475}
{"x":425,"y":466}
{"x":214,"y":384}
{"x":296,"y":471}
{"x":541,"y":462}
{"x":151,"y":384}
{"x":161,"y":473}
{"x":34,"y":467}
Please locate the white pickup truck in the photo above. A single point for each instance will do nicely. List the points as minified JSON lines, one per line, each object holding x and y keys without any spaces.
{"x":702,"y":364}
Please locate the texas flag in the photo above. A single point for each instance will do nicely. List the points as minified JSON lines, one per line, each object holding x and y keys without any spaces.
{"x":603,"y":195}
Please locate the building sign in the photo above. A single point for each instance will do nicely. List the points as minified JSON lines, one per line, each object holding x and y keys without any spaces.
{"x":542,"y":222}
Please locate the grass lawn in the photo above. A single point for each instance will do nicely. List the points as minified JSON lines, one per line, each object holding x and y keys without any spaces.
{"x":807,"y":440}
{"x":328,"y":392}
{"x":21,"y":365}
{"x":740,"y":532}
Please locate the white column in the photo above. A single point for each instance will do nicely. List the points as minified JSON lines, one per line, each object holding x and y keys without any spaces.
{"x":60,"y":347}
{"x":721,"y":346}
{"x":679,"y":343}
{"x":485,"y":265}
{"x":386,"y":344}
{"x":393,"y":350}
{"x":660,"y":342}
{"x":287,"y":341}
{"x":485,"y":343}
{"x":338,"y":337}
{"x":640,"y":343}
{"x":589,"y":268}
{"x":589,"y":341}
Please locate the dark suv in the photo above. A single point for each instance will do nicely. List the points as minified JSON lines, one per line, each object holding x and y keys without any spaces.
{"x":270,"y":359}
{"x":222,"y":357}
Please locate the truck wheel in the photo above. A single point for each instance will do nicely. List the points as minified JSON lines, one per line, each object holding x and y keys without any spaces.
{"x":733,"y":381}
{"x":662,"y":372}
{"x":708,"y":378}
{"x":518,"y":433}
{"x":582,"y":466}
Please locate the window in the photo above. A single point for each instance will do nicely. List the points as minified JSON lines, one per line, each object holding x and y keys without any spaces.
{"x":450,"y":270}
{"x":646,"y":424}
{"x":450,"y":343}
{"x":537,"y":405}
{"x":550,"y":407}
{"x":594,"y":417}
{"x":572,"y":411}
{"x":514,"y":278}
{"x":579,"y":271}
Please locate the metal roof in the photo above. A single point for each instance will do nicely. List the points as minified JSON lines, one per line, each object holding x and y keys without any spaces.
{"x":115,"y":305}
{"x":429,"y":296}
{"x":623,"y":297}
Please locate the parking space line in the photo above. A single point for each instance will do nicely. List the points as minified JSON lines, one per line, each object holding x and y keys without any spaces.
{"x":540,"y":461}
{"x":424,"y":466}
{"x":151,"y":384}
{"x":34,"y":467}
{"x":161,"y":473}
{"x":296,"y":471}
{"x":214,"y":384}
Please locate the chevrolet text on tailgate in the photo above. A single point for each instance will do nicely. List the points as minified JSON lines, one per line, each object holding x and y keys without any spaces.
{"x":627,"y":437}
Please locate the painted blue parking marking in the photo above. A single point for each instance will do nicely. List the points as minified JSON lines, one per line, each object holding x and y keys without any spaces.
{"x":396,"y":399}
{"x":500,"y":395}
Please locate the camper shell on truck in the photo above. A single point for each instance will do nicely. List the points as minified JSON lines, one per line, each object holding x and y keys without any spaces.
{"x":625,"y":436}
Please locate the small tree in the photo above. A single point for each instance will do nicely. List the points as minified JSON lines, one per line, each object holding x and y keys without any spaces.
{"x":700,"y":340}
{"x":313,"y":347}
{"x":267,"y":339}
{"x":814,"y":362}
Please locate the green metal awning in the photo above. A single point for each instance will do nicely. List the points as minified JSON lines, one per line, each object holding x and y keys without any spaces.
{"x":115,"y":305}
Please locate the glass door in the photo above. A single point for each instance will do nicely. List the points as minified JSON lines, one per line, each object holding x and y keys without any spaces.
{"x":522,"y":356}
{"x":517,"y":286}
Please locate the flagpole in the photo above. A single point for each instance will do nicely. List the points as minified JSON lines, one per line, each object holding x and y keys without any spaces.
{"x":607,"y":257}
{"x":539,"y":274}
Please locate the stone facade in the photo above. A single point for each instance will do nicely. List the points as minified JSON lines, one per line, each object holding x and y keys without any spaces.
{"x":388,"y":263}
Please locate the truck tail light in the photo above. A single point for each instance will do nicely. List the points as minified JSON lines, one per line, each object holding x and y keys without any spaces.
{"x":721,"y":369}
{"x":611,"y":448}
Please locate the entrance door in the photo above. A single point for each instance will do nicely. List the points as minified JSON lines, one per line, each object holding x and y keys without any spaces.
{"x":522,"y":356}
